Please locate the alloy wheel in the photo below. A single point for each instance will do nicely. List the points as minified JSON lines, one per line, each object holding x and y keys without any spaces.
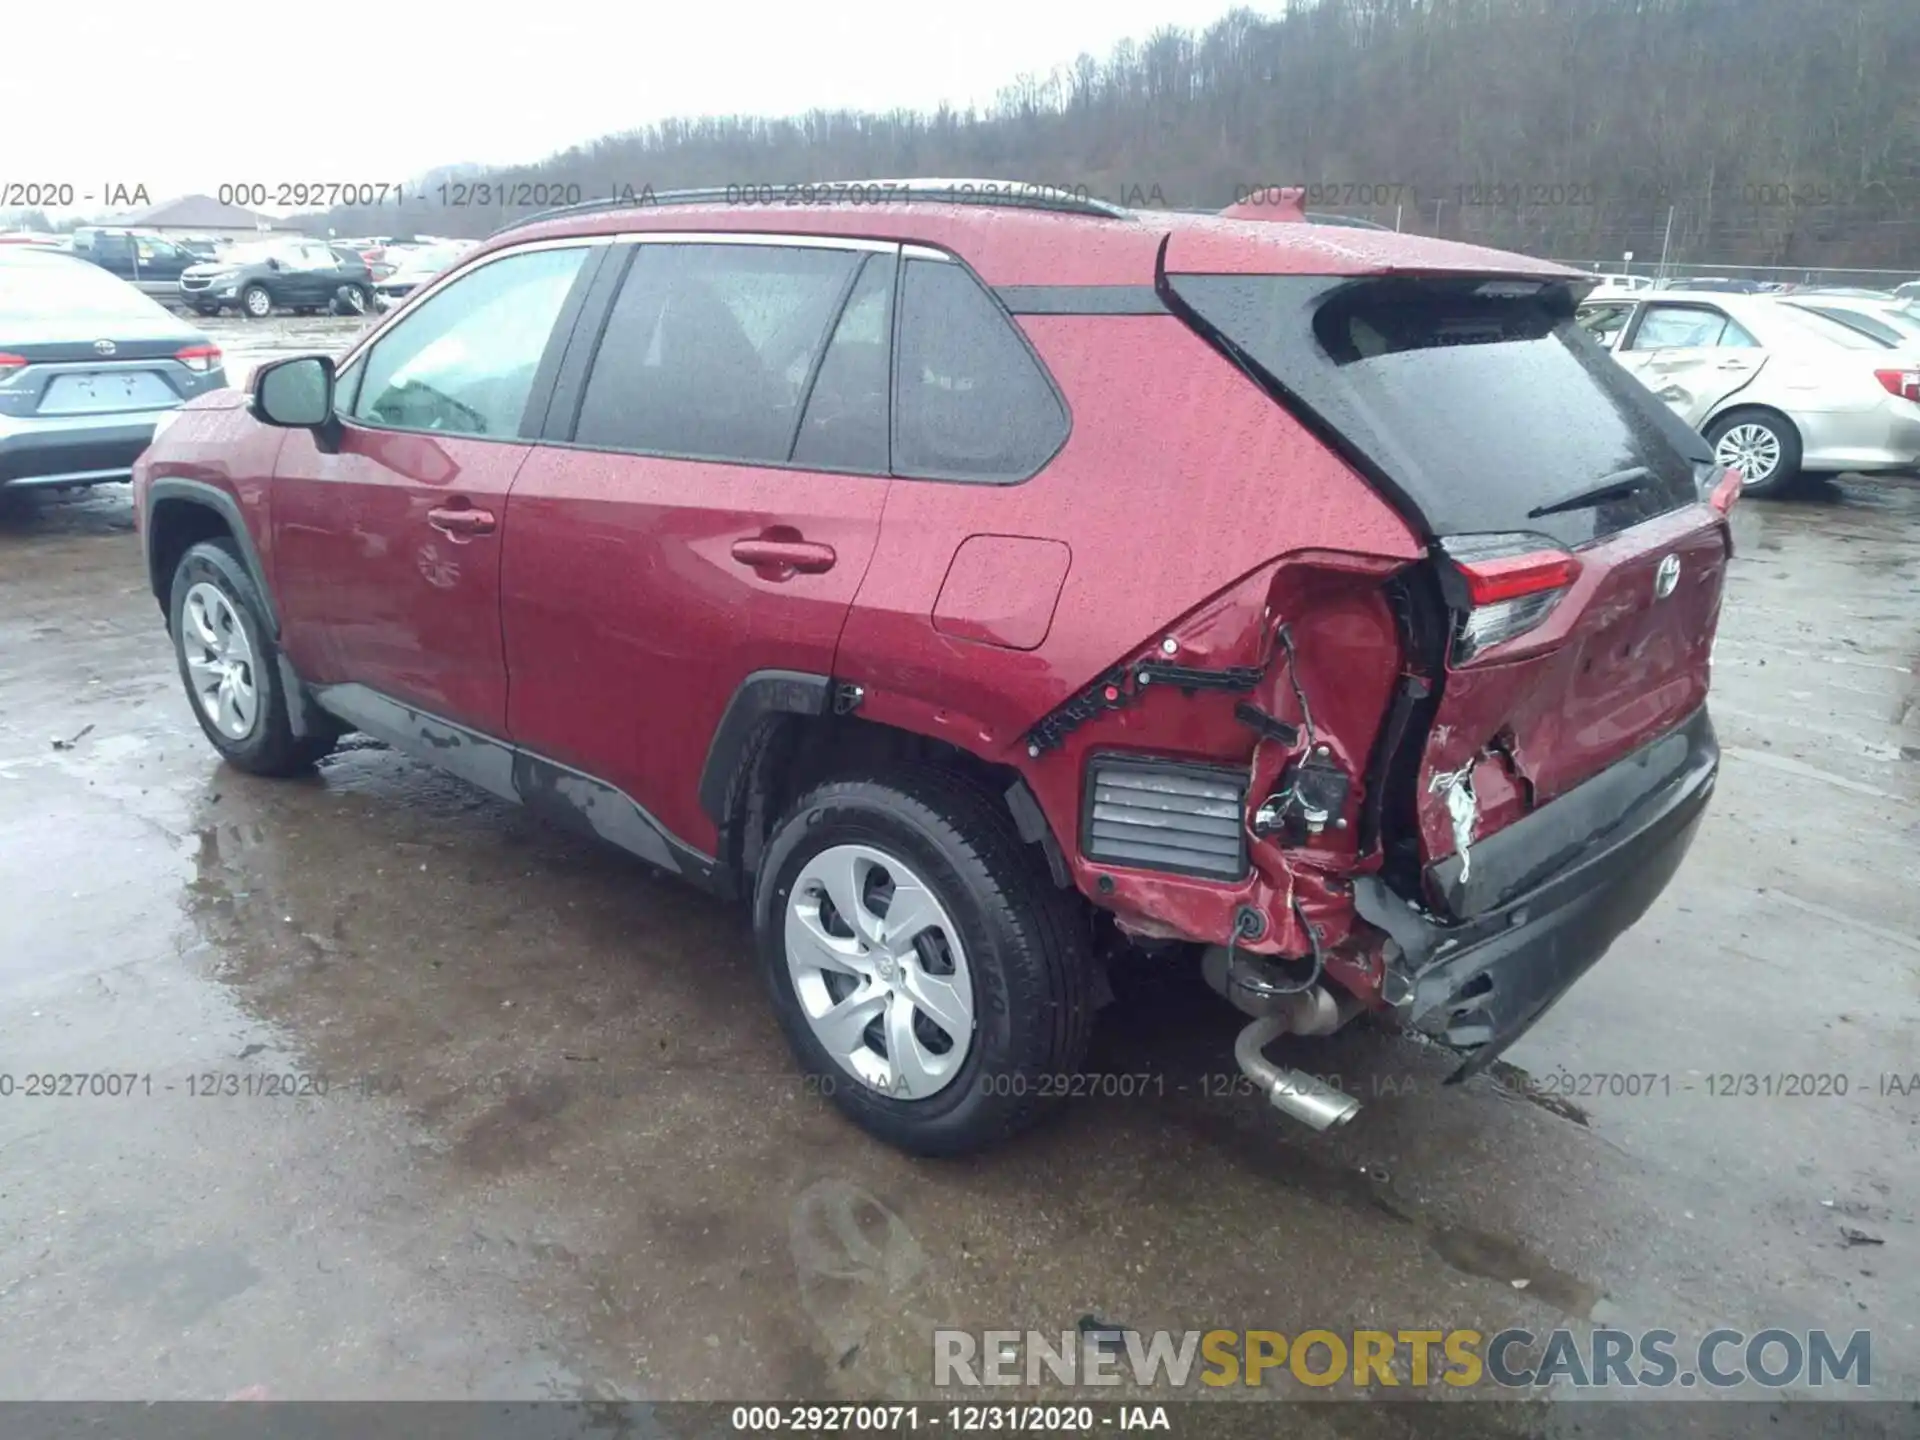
{"x":1753,"y":450}
{"x":220,"y":663}
{"x":880,"y":971}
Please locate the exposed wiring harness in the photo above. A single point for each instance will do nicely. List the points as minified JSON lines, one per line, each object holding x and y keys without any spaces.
{"x":1285,"y":637}
{"x":1247,"y":925}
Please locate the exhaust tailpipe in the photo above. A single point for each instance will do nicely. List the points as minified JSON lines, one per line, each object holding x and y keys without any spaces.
{"x":1291,"y":1092}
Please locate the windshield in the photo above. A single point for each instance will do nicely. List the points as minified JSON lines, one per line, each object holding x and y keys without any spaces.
{"x":52,"y":287}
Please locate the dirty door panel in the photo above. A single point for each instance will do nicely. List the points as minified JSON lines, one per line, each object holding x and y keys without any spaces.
{"x":387,"y":542}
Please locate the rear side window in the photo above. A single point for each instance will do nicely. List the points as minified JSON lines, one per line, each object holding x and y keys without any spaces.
{"x":970,"y":400}
{"x":709,"y":349}
{"x":1687,"y":327}
{"x":846,"y":422}
{"x":463,"y":361}
{"x":1857,"y":320}
{"x":1476,"y":402}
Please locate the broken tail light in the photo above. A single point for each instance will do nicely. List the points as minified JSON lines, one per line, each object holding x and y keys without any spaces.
{"x":1725,"y":492}
{"x":1903,"y":383}
{"x":201,"y":359}
{"x":1506,"y":586}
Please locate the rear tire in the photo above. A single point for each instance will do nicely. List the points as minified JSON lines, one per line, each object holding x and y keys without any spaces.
{"x":1014,"y":948}
{"x":1750,"y":438}
{"x":219,"y":630}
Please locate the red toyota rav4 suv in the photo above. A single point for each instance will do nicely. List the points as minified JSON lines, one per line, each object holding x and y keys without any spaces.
{"x":977,"y":587}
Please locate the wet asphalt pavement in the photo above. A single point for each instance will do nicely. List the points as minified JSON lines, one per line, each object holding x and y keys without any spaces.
{"x":561,"y":1151}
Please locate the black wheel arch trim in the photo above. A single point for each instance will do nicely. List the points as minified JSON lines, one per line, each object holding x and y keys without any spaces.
{"x":211,"y":497}
{"x":763,"y":694}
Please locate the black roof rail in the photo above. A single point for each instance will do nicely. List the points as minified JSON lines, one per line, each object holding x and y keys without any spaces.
{"x":1009,"y":194}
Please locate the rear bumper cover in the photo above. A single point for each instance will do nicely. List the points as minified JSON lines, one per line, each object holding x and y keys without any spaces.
{"x":1612,"y":844}
{"x":46,"y":450}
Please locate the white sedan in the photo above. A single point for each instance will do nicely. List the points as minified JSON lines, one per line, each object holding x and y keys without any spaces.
{"x":1778,"y":391}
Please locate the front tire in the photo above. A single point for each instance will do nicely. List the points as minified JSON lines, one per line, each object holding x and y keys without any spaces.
{"x":255,"y":302}
{"x":230,"y":665}
{"x":1763,"y":445}
{"x":946,"y":1025}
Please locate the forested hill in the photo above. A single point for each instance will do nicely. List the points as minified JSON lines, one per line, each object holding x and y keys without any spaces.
{"x":1771,"y":131}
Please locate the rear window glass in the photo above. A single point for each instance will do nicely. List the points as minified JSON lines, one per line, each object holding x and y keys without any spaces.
{"x":48,"y":287}
{"x":1474,"y":402}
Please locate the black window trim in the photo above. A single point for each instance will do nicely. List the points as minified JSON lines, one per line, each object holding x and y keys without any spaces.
{"x":351,"y":370}
{"x":568,"y":391}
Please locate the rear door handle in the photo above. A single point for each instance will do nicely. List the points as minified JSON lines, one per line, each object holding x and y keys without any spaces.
{"x":462,"y":522}
{"x":808,"y":557}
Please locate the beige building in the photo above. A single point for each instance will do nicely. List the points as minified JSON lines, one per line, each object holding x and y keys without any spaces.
{"x":201,"y":215}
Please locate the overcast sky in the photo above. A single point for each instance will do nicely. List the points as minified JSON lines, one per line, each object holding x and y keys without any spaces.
{"x":186,"y":98}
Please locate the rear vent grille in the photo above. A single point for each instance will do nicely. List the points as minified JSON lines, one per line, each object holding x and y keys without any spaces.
{"x":1163,"y":815}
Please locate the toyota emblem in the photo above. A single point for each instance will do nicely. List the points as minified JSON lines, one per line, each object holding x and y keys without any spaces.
{"x":105,"y":347}
{"x":1667,"y":578}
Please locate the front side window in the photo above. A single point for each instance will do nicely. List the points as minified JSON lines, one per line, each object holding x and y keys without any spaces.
{"x":1605,"y":322}
{"x":970,"y":400}
{"x":463,"y":362}
{"x":708,"y":349}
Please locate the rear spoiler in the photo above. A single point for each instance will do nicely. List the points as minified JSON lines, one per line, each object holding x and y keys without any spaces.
{"x":1287,"y":204}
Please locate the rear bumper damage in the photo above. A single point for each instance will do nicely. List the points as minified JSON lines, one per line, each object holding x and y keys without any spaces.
{"x":1546,"y":896}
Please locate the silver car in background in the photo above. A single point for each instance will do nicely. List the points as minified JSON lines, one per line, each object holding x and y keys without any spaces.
{"x":1893,"y":323}
{"x":88,"y":367}
{"x":417,"y":266}
{"x":1779,"y":392}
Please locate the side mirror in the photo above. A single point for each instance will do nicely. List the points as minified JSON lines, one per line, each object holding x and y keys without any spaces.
{"x":296,"y":394}
{"x":273,"y":262}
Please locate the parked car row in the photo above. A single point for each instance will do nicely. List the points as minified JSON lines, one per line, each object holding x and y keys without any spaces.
{"x":1611,"y":286}
{"x":88,"y":366}
{"x":255,"y":278}
{"x":1781,"y":386}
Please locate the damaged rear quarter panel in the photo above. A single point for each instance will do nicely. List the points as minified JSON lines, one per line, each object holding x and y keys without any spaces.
{"x":1180,"y":489}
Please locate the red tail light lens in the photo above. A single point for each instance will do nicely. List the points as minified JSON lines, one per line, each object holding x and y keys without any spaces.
{"x":1724,"y":495}
{"x":10,"y":363}
{"x":1511,"y":584}
{"x":201,"y":359}
{"x":1904,"y":383}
